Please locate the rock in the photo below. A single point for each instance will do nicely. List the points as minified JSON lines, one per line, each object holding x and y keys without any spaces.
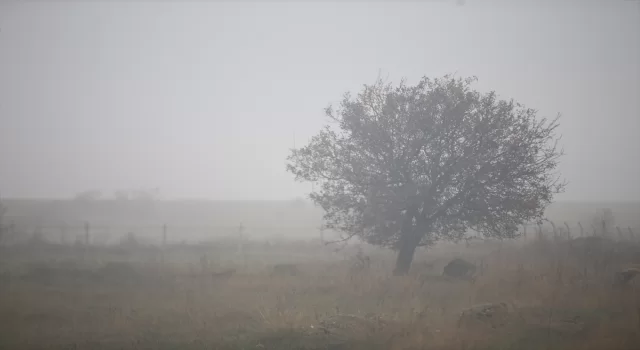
{"x":459,"y":268}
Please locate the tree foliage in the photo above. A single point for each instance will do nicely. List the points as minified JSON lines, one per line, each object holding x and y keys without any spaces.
{"x":407,"y":166}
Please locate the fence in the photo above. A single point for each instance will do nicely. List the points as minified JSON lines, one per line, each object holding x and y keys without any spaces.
{"x":101,"y":233}
{"x":162,"y":233}
{"x":565,"y":230}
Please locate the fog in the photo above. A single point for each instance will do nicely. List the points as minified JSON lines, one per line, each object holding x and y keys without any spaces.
{"x":205,"y":99}
{"x":149,"y":153}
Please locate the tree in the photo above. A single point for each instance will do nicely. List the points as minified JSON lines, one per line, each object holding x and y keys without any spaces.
{"x":407,"y":166}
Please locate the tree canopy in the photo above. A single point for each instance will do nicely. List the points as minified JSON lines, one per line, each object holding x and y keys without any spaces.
{"x":406,"y":166}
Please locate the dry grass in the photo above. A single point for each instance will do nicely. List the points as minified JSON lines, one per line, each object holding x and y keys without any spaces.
{"x":553,"y":298}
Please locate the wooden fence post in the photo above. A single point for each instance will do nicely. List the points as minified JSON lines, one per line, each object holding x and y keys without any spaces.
{"x":581,"y":229}
{"x":540,"y":231}
{"x":555,"y":232}
{"x":568,"y":230}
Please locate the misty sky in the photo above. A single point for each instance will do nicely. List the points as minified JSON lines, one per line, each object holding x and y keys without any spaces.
{"x":203,"y":99}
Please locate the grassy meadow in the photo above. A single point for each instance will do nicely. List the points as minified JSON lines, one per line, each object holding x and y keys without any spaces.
{"x":543,"y":293}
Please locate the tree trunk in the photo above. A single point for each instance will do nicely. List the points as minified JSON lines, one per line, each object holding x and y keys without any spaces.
{"x":408,"y":246}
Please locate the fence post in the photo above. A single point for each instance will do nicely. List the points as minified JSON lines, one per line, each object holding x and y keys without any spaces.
{"x":555,"y":232}
{"x":540,"y":231}
{"x":594,"y":230}
{"x":604,"y":228}
{"x":568,"y":230}
{"x":581,"y":229}
{"x":164,"y":235}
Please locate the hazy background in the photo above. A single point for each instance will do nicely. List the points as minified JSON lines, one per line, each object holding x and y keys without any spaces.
{"x":203,"y":99}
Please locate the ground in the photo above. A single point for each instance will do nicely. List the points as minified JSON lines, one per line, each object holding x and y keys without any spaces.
{"x":535,"y":295}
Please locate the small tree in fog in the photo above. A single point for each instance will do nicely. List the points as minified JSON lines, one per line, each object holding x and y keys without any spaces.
{"x":406,"y":166}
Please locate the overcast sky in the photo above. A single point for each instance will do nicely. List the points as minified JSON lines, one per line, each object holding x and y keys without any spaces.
{"x":203,"y":99}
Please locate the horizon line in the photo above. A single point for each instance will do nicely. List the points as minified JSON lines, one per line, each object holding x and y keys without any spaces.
{"x":196,"y":199}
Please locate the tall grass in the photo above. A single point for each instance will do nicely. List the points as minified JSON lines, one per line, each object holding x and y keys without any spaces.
{"x":556,"y":296}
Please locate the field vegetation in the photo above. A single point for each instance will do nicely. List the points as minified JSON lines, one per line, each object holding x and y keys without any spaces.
{"x":541,"y":293}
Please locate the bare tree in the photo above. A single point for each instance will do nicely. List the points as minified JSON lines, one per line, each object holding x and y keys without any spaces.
{"x":406,"y":166}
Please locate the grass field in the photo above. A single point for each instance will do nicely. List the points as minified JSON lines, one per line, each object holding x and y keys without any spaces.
{"x":542,"y":294}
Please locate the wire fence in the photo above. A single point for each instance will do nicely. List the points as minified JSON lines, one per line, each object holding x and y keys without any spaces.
{"x":567,"y":231}
{"x":100,"y":233}
{"x":165,"y":233}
